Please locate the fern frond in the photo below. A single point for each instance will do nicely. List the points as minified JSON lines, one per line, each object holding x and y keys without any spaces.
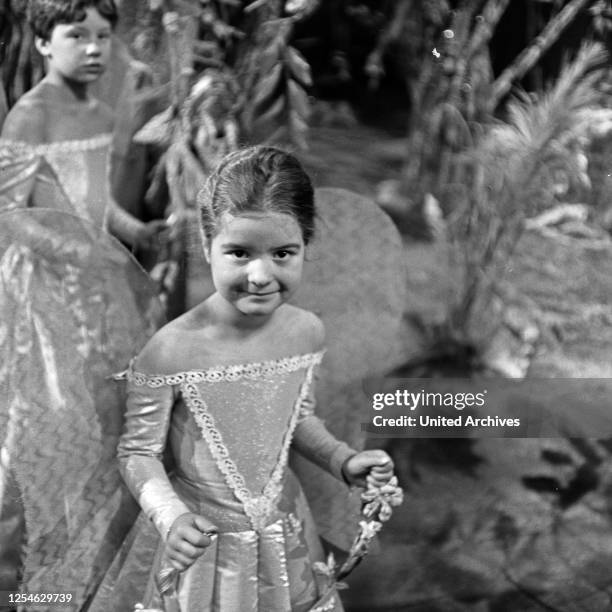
{"x":512,"y":171}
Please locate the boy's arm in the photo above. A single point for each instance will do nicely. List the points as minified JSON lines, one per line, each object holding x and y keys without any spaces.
{"x":131,"y":230}
{"x":123,"y":225}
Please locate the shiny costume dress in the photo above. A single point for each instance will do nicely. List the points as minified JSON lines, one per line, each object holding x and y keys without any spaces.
{"x":230,"y":430}
{"x":73,"y":307}
{"x":70,"y":176}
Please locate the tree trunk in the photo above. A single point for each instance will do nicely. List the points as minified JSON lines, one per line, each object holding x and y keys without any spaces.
{"x":531,"y":55}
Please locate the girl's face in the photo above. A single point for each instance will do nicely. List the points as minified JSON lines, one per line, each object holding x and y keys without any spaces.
{"x":256,"y":261}
{"x":79,"y":51}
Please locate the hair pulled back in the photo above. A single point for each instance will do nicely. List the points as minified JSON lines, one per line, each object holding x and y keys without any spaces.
{"x":258,"y":179}
{"x":44,"y":15}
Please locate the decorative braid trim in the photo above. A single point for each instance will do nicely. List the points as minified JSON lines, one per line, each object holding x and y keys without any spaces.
{"x":68,"y":146}
{"x":252,"y":371}
{"x":257,"y":508}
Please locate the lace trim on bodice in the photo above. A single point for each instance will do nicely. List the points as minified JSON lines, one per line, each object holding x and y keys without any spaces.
{"x":257,"y":508}
{"x":64,"y":146}
{"x":252,"y":371}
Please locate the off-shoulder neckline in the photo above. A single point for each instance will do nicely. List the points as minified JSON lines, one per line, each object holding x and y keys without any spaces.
{"x":75,"y":144}
{"x":230,"y":372}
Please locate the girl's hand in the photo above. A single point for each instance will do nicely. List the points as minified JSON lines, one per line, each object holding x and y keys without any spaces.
{"x":187,"y":540}
{"x":373,"y":466}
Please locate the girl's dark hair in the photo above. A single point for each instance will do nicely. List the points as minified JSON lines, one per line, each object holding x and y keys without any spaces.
{"x":44,"y":15}
{"x":257,"y":179}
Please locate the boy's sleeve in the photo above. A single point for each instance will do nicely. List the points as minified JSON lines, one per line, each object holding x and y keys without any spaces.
{"x":312,"y":439}
{"x":140,"y":454}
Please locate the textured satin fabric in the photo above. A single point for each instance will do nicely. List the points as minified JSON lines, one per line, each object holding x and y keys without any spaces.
{"x":229,"y":430}
{"x":71,"y":176}
{"x":73,"y":307}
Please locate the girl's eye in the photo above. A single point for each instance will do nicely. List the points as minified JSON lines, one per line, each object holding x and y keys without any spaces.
{"x":238,"y":254}
{"x":283,"y":254}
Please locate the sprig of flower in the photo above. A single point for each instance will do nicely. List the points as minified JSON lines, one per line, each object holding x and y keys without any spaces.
{"x":377,"y":509}
{"x":380,"y":500}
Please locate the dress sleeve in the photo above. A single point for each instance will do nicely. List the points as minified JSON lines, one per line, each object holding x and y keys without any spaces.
{"x":312,"y":440}
{"x":140,"y":453}
{"x":19,"y":168}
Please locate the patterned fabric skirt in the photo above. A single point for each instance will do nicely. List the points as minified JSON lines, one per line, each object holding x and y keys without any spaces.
{"x":274,"y":570}
{"x":74,"y":306}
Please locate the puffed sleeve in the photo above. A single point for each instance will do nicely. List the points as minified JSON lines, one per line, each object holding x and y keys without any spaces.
{"x":312,"y":440}
{"x":140,"y":453}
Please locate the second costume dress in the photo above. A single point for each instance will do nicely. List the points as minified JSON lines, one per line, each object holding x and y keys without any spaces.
{"x":73,"y":306}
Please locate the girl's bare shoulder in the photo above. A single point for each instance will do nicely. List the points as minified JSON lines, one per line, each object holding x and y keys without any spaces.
{"x":169,"y":350}
{"x":306,"y":326}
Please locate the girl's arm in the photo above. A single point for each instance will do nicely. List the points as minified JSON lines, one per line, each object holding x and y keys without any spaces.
{"x":149,"y":409}
{"x":140,"y":454}
{"x":312,"y":439}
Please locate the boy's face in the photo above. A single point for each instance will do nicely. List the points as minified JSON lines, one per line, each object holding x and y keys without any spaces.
{"x":78,"y":51}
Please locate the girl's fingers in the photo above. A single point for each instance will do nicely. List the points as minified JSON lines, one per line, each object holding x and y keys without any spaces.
{"x":196,"y":538}
{"x":379,"y":477}
{"x":375,"y":460}
{"x":380,"y":457}
{"x":204,"y":526}
{"x":180,"y":562}
{"x":188,"y":550}
{"x":383,"y":469}
{"x":184,"y":554}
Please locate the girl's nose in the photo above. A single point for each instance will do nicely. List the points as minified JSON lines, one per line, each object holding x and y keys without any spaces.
{"x":259,"y":273}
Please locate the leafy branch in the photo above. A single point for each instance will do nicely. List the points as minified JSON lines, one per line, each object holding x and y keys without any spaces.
{"x":531,"y":55}
{"x":513,"y":167}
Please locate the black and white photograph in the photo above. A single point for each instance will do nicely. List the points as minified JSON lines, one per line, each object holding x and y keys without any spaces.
{"x":306,"y":305}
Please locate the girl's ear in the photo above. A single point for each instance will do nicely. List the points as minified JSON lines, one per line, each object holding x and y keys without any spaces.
{"x":42,"y":46}
{"x":206,"y":248}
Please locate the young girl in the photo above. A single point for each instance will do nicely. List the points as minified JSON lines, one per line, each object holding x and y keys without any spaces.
{"x":228,"y":388}
{"x":72,"y":304}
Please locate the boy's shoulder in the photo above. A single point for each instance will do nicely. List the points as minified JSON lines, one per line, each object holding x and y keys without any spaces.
{"x":105,"y":112}
{"x":38,"y":118}
{"x":27,"y":119}
{"x":307,"y":326}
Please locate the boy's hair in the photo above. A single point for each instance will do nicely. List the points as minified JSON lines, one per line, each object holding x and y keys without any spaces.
{"x":255,"y":180}
{"x":44,"y":15}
